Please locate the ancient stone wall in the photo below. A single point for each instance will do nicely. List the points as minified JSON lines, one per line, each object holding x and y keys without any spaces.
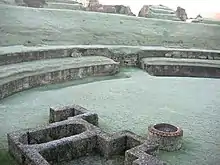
{"x":60,"y":146}
{"x":32,"y":3}
{"x":9,"y":86}
{"x":65,"y":6}
{"x":115,"y":9}
{"x":126,"y":55}
{"x":181,"y":14}
{"x":181,"y":67}
{"x":159,"y":12}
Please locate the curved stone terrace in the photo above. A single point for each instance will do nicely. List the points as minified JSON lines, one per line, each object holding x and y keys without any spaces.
{"x":29,"y":67}
{"x":181,"y":67}
{"x":16,"y":54}
{"x":17,"y":77}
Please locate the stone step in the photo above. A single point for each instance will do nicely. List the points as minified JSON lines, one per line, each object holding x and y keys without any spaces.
{"x":166,"y":16}
{"x":181,"y":61}
{"x":62,"y":1}
{"x":160,"y":7}
{"x":21,"y":76}
{"x":17,"y":54}
{"x":19,"y":70}
{"x":181,"y":67}
{"x":162,"y":11}
{"x":56,"y":5}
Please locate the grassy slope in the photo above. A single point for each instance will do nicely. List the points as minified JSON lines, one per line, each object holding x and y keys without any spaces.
{"x":211,"y":21}
{"x":29,"y":26}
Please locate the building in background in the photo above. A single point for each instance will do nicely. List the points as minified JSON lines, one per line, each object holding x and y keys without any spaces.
{"x":193,"y":7}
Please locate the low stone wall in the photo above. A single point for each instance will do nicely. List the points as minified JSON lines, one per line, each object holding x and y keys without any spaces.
{"x":143,"y":154}
{"x":57,"y":76}
{"x":183,"y":71}
{"x":197,"y":68}
{"x":89,"y":139}
{"x":63,"y":113}
{"x":126,"y":55}
{"x":64,"y":1}
{"x":68,"y":6}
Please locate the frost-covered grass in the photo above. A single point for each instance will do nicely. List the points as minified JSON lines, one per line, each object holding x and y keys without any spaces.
{"x":31,"y":27}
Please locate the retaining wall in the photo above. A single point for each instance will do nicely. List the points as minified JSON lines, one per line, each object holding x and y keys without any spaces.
{"x":126,"y":55}
{"x":58,"y":76}
{"x":181,"y":67}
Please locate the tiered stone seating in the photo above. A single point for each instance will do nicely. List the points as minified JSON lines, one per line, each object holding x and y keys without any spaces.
{"x":181,"y":67}
{"x":16,"y":77}
{"x":64,"y":4}
{"x":20,"y":70}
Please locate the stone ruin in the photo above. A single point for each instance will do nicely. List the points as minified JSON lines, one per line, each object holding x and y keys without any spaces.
{"x":86,"y":5}
{"x":168,"y":137}
{"x":88,"y":61}
{"x":31,"y":3}
{"x":163,"y":12}
{"x":147,"y":11}
{"x":158,"y":12}
{"x":73,"y":132}
{"x":94,"y":5}
{"x":181,"y":13}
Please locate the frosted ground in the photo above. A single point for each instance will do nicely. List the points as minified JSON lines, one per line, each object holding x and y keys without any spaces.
{"x":38,"y":27}
{"x":132,"y":102}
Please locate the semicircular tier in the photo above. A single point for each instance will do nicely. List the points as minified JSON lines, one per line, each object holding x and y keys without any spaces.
{"x":29,"y":67}
{"x":20,"y":76}
{"x":181,"y":67}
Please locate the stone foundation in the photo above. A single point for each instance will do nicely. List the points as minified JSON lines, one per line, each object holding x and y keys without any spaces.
{"x":73,"y":133}
{"x":181,"y":67}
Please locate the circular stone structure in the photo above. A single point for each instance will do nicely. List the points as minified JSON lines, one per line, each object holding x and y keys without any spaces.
{"x":167,"y":136}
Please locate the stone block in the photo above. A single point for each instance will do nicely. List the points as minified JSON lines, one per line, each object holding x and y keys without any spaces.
{"x":73,"y":135}
{"x":142,"y":154}
{"x":181,"y":67}
{"x":31,"y":76}
{"x":73,"y":111}
{"x":60,"y":113}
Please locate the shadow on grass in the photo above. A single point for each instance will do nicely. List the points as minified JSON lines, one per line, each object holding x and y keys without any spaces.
{"x":5,"y":158}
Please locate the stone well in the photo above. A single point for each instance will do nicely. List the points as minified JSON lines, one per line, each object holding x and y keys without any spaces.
{"x":167,"y":136}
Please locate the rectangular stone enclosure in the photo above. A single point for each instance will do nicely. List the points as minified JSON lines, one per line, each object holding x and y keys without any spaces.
{"x":73,"y":132}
